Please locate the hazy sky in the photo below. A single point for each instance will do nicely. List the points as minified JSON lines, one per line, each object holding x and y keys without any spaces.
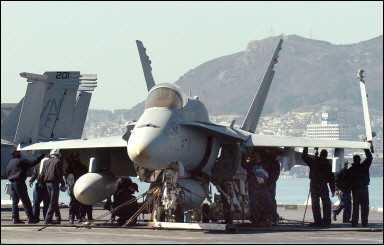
{"x":99,"y":38}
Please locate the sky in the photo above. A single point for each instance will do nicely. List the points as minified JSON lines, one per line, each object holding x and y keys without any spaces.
{"x":99,"y":38}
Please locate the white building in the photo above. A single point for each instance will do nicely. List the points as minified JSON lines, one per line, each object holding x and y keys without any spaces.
{"x":329,"y":130}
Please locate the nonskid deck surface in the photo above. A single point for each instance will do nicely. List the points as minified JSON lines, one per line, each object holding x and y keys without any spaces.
{"x":290,"y":230}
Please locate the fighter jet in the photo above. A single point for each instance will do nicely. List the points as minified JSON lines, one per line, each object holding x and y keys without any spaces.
{"x":174,"y":145}
{"x":55,"y":106}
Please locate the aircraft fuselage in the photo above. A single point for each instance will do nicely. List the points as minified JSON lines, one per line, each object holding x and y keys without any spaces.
{"x":158,"y":140}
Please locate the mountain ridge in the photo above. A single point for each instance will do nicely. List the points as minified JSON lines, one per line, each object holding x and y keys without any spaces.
{"x":310,"y":72}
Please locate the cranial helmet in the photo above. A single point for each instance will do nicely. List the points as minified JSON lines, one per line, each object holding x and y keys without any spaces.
{"x":55,"y":152}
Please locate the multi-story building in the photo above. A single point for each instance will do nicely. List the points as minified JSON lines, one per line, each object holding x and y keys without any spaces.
{"x":329,"y":129}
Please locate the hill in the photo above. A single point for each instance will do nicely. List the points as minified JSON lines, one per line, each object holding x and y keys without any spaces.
{"x":310,"y":73}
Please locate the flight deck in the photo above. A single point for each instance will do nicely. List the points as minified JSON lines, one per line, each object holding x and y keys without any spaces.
{"x":290,"y":230}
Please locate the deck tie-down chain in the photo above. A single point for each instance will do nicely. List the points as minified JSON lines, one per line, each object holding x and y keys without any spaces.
{"x":155,"y":191}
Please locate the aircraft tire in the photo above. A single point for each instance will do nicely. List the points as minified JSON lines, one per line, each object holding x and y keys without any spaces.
{"x":205,"y":213}
{"x":159,"y":213}
{"x":179,"y":214}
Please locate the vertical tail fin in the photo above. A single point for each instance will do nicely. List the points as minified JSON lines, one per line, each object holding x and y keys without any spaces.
{"x":55,"y":106}
{"x":9,"y":125}
{"x":364,"y":96}
{"x":87,"y":84}
{"x":146,"y":64}
{"x":254,"y":112}
{"x":81,"y":111}
{"x":67,"y":106}
{"x":29,"y":118}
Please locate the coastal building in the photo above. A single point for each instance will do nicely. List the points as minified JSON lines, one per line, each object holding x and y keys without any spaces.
{"x":329,"y":129}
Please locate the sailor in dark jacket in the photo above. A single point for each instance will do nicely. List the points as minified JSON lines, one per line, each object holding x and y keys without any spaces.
{"x":320,"y":174}
{"x":53,"y":176}
{"x":272,"y":166}
{"x":73,"y":172}
{"x":17,"y":174}
{"x":124,"y":193}
{"x":261,"y":204}
{"x":358,"y":176}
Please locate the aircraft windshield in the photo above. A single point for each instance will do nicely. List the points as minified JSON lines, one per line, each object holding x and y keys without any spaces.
{"x":164,"y":97}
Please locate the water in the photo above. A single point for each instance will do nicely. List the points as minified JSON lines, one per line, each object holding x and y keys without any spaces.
{"x":64,"y":197}
{"x":295,"y":191}
{"x":289,"y":191}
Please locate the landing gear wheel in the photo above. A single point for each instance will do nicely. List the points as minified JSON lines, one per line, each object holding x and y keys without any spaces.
{"x":159,"y":214}
{"x":179,"y":214}
{"x":205,"y":213}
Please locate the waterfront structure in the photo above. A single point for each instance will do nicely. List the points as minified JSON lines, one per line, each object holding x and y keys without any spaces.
{"x":329,"y":129}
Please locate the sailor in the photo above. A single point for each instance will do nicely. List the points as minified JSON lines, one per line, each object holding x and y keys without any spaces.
{"x":272,"y":166}
{"x":40,"y":193}
{"x":320,"y":174}
{"x":124,"y":193}
{"x":53,"y":177}
{"x":73,"y":172}
{"x":17,"y":174}
{"x":343,"y":190}
{"x":261,"y":205}
{"x":358,"y":176}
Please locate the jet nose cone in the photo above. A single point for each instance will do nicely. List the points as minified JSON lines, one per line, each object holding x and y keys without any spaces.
{"x":139,"y":153}
{"x":152,"y":140}
{"x":150,"y":153}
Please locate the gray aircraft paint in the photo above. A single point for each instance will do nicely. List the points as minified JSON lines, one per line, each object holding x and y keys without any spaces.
{"x":180,"y":139}
{"x":55,"y":106}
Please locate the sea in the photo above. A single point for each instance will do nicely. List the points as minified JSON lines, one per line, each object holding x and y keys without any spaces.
{"x":288,"y":191}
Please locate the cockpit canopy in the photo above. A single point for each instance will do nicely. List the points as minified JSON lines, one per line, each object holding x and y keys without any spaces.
{"x":166,"y":95}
